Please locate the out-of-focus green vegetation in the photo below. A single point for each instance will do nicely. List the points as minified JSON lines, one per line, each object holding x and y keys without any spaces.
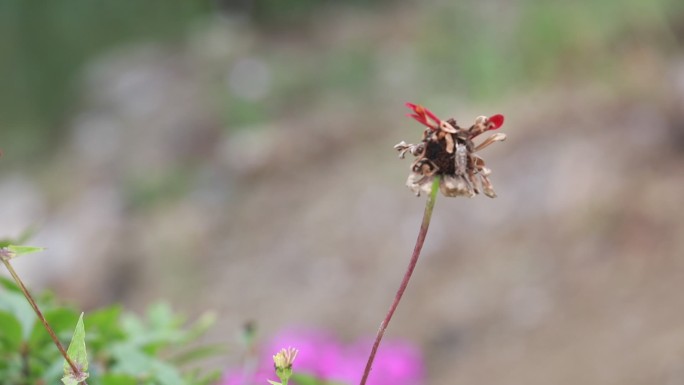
{"x":123,"y":348}
{"x":45,"y":46}
{"x":540,"y":42}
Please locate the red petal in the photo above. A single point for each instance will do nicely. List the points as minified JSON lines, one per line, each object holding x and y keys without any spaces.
{"x":432,"y":116}
{"x":420,"y":119}
{"x":411,"y":106}
{"x":496,"y":121}
{"x":422,"y":114}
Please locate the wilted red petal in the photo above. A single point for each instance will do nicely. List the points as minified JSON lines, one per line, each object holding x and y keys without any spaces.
{"x":496,"y":121}
{"x":432,"y":116}
{"x":420,"y":119}
{"x":422,"y":114}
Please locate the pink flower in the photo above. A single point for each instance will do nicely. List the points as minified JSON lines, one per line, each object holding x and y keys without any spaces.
{"x":322,"y":355}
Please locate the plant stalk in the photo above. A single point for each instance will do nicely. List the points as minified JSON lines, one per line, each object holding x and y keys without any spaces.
{"x":34,"y":305}
{"x":427,"y":215}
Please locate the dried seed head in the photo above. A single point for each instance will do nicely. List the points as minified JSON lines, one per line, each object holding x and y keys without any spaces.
{"x":448,"y":150}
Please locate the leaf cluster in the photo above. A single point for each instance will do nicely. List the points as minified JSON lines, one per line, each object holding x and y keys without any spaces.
{"x":123,"y":348}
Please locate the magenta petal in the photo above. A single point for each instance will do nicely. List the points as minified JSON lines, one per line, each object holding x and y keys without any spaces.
{"x":322,"y":355}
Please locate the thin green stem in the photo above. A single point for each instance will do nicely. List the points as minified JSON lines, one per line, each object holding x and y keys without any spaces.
{"x":429,"y":205}
{"x":34,"y":305}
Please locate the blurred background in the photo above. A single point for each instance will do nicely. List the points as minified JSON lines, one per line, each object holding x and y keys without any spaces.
{"x":237,"y":156}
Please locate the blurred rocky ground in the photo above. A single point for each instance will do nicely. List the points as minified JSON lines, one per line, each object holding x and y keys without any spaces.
{"x":217,"y":173}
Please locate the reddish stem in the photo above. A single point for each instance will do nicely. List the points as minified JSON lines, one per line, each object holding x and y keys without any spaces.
{"x":34,"y":305}
{"x":429,"y":205}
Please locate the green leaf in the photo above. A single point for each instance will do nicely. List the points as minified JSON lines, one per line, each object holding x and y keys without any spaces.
{"x":23,"y":237}
{"x":118,"y":379}
{"x":10,"y":331}
{"x":21,"y":250}
{"x":61,"y":320}
{"x":307,"y":379}
{"x":9,"y":284}
{"x":201,"y":326}
{"x":17,"y":304}
{"x":106,"y":318}
{"x":104,"y":328}
{"x":199,"y":353}
{"x":77,"y":353}
{"x":195,"y":378}
{"x":130,"y":360}
{"x":274,"y":382}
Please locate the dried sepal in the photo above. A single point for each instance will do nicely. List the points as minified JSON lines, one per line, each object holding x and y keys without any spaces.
{"x":413,"y":149}
{"x":498,"y":137}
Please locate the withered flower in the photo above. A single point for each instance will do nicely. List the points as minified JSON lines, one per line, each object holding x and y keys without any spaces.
{"x":448,"y":151}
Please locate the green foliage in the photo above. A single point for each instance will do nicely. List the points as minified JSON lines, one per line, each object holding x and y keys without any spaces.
{"x":78,"y":356}
{"x":13,"y":251}
{"x":485,"y":54}
{"x":45,"y":46}
{"x":307,"y":379}
{"x":123,"y":348}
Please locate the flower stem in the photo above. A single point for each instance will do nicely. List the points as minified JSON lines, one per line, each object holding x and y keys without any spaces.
{"x":34,"y":305}
{"x":429,"y":205}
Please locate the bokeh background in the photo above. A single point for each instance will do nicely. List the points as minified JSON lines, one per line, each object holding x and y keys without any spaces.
{"x":237,"y":156}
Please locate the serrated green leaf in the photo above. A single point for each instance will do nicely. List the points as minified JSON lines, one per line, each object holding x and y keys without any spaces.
{"x":77,"y":353}
{"x":10,"y":331}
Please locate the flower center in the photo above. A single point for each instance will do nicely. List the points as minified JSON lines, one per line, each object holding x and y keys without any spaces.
{"x":436,"y":152}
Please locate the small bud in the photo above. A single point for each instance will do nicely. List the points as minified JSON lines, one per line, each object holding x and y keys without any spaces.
{"x":6,"y":254}
{"x":283,"y":364}
{"x":285,"y":358}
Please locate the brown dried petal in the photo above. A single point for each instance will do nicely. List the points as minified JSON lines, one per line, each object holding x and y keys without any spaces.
{"x":447,"y":127}
{"x":449,"y":143}
{"x":452,"y":186}
{"x":487,"y":187}
{"x":498,"y":137}
{"x":419,"y":183}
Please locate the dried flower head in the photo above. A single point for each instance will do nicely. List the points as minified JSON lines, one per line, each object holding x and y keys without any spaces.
{"x":448,"y":151}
